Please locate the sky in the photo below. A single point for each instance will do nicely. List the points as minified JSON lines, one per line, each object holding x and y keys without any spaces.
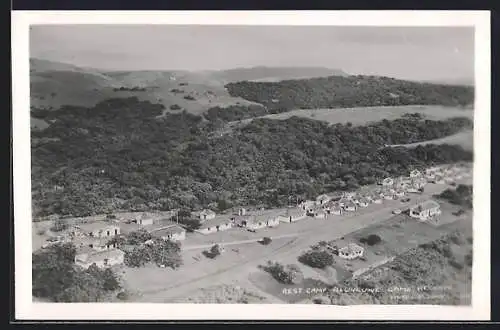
{"x":416,"y":53}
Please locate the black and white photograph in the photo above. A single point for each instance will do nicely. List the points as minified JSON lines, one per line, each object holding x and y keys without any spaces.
{"x":253,"y":164}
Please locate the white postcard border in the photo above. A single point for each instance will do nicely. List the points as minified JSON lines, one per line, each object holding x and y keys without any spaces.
{"x":26,"y":309}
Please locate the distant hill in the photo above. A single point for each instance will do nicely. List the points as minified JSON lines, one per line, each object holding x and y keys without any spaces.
{"x":263,"y":73}
{"x":230,"y":95}
{"x":53,"y":85}
{"x":350,"y":91}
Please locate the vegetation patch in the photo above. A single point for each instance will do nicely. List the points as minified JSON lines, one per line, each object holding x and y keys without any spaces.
{"x":215,"y":251}
{"x":461,"y":195}
{"x":422,"y":274}
{"x":371,"y":240}
{"x":235,"y":112}
{"x":286,"y":274}
{"x":175,"y":107}
{"x":317,"y":259}
{"x":347,"y":92}
{"x":57,"y":278}
{"x":265,"y":241}
{"x":130,"y":89}
{"x":163,"y":253}
{"x":129,"y":159}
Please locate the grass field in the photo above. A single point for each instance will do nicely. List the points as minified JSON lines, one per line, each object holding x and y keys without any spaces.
{"x":464,"y":139}
{"x":361,"y":116}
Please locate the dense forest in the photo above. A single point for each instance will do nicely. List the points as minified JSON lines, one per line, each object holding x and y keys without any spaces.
{"x":235,"y":112}
{"x":350,"y":91}
{"x":118,"y":155}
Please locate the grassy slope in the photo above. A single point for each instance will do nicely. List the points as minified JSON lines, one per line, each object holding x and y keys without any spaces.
{"x":427,"y":265}
{"x":464,"y":139}
{"x":361,"y":116}
{"x":56,"y":84}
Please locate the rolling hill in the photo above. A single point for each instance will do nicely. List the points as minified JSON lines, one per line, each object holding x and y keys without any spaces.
{"x":262,"y":73}
{"x":56,"y":84}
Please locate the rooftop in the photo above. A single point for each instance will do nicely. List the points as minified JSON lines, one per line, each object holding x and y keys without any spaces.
{"x":430,"y":204}
{"x":352,"y":248}
{"x":91,"y":240}
{"x":106,"y":254}
{"x":174,"y":229}
{"x":218,"y":220}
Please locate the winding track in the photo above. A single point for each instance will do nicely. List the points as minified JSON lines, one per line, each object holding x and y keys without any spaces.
{"x":341,"y":226}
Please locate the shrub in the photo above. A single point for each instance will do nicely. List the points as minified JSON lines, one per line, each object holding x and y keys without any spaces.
{"x":214,"y":251}
{"x":265,"y":241}
{"x":317,"y":259}
{"x":457,"y":238}
{"x":371,"y":239}
{"x":122,"y":295}
{"x":138,"y":257}
{"x":321,"y":300}
{"x":289,"y":274}
{"x":138,"y":237}
{"x":55,"y":277}
{"x":455,"y":264}
{"x":468,"y":258}
{"x":161,"y":252}
{"x":191,"y":224}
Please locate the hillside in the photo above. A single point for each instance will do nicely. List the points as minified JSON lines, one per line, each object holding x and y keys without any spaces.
{"x":53,"y":85}
{"x":262,"y":73}
{"x":432,"y":273}
{"x":57,"y":84}
{"x":348,"y":92}
{"x":119,"y":155}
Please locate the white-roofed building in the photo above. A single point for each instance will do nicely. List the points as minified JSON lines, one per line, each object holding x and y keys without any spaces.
{"x":426,"y":210}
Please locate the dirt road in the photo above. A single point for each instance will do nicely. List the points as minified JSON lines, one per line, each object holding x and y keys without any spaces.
{"x":290,"y":249}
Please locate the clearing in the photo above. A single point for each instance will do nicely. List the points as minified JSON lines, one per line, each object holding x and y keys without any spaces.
{"x":361,"y":116}
{"x":464,"y":139}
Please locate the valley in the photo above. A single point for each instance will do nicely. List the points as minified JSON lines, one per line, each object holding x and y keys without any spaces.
{"x":109,"y":145}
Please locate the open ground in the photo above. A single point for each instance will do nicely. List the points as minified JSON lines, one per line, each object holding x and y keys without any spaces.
{"x":240,"y":261}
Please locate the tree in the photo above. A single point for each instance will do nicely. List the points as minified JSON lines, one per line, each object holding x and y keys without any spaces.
{"x":139,"y":236}
{"x":223,"y":205}
{"x":166,"y":253}
{"x":317,"y":259}
{"x":266,"y":241}
{"x":289,"y":274}
{"x":111,"y":282}
{"x":371,"y":239}
{"x":137,"y":257}
{"x":56,"y":277}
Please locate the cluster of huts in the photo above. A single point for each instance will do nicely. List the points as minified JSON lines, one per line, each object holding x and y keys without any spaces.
{"x":92,"y":240}
{"x":95,"y":244}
